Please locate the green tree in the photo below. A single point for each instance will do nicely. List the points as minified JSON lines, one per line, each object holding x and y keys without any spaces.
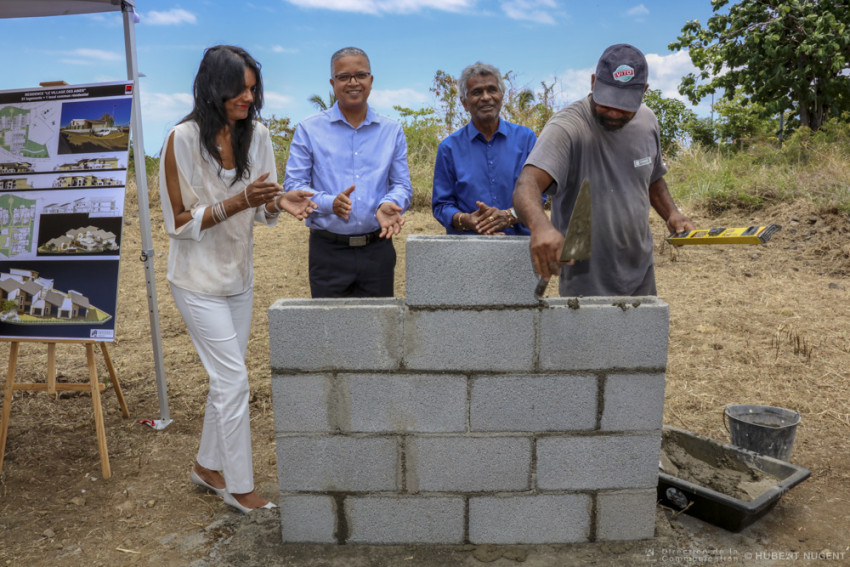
{"x":783,"y":54}
{"x":740,"y":121}
{"x":701,"y":131}
{"x":320,"y":103}
{"x":423,"y":131}
{"x":445,"y":88}
{"x":280,"y":131}
{"x":522,"y":105}
{"x":673,"y":120}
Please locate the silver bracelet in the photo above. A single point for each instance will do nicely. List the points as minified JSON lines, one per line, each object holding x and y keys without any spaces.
{"x":278,"y":209}
{"x":268,"y":214}
{"x":245,"y":192}
{"x":219,"y":213}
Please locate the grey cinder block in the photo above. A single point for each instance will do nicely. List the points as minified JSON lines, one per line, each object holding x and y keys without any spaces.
{"x":625,"y":515}
{"x":633,"y":402}
{"x":301,"y":402}
{"x":458,"y":340}
{"x":598,"y":462}
{"x":529,"y":519}
{"x":407,"y":402}
{"x":464,"y":464}
{"x":328,"y":334}
{"x":603,"y":332}
{"x":533,"y":403}
{"x":307,"y":518}
{"x":405,"y":519}
{"x":337,"y":464}
{"x":452,"y":270}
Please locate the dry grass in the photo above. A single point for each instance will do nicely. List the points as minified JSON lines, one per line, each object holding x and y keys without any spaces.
{"x":756,"y":325}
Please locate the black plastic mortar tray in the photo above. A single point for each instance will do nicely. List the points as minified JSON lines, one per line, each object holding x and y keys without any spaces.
{"x":712,"y":506}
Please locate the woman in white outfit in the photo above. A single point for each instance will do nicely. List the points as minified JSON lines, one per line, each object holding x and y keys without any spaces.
{"x":217,"y":178}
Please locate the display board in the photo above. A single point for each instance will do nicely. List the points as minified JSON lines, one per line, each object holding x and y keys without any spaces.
{"x":63,"y":169}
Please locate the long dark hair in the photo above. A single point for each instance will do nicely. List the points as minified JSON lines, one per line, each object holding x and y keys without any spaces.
{"x":221,"y":77}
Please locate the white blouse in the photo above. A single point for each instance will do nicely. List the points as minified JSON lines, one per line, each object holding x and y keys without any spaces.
{"x":217,"y":260}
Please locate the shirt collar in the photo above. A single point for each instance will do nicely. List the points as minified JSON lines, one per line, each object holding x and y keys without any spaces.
{"x":335,"y":115}
{"x":472,"y":132}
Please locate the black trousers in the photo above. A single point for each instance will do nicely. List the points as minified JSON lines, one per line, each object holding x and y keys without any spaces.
{"x":338,"y":269}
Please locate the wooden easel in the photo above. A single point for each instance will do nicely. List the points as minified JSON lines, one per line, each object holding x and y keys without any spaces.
{"x":51,"y":386}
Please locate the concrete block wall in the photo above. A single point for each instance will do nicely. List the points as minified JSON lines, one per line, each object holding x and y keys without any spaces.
{"x":469,"y":411}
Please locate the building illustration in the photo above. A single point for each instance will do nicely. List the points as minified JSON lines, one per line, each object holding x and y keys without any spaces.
{"x":84,"y":125}
{"x":16,"y":167}
{"x":74,"y":181}
{"x":30,"y":299}
{"x":85,"y":240}
{"x":87,"y":164}
{"x":14,"y":184}
{"x":94,"y":206}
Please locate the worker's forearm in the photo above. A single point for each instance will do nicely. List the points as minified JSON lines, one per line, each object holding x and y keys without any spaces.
{"x":661,"y":200}
{"x":529,"y":205}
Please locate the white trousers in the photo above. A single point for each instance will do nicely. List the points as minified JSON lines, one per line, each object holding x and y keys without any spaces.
{"x":219,"y":328}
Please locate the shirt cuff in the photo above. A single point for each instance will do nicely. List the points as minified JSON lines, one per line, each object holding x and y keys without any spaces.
{"x":192,"y":229}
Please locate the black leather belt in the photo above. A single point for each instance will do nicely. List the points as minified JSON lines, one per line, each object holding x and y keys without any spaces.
{"x":348,"y":239}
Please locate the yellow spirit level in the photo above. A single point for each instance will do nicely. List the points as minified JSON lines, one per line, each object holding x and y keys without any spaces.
{"x":749,"y":235}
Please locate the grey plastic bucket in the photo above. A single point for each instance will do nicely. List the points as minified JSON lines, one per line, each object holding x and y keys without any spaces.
{"x":764,"y":429}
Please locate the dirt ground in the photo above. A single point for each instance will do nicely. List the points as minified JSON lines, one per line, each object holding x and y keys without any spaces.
{"x":749,"y":324}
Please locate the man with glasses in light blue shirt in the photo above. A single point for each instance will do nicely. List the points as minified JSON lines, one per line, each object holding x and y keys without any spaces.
{"x":356,"y":162}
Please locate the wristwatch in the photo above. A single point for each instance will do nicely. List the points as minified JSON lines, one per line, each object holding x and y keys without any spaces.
{"x":514,"y":218}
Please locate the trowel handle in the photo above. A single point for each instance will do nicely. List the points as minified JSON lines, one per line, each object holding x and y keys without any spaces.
{"x":541,"y":287}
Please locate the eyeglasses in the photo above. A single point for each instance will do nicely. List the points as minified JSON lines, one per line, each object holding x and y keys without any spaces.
{"x":346,"y":77}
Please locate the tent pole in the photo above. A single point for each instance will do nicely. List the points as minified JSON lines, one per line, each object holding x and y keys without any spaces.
{"x":147,"y":254}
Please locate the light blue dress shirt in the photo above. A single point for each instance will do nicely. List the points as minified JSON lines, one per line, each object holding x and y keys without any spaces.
{"x":469,"y":169}
{"x":328,"y":156}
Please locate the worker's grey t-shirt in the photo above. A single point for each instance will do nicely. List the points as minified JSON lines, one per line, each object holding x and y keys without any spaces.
{"x":620,"y":166}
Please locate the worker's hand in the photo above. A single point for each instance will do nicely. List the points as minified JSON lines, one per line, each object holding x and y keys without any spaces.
{"x":678,"y":223}
{"x":390,"y":219}
{"x":342,"y":204}
{"x":545,"y":245}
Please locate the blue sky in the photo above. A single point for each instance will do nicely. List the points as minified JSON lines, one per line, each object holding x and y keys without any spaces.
{"x":407,"y":41}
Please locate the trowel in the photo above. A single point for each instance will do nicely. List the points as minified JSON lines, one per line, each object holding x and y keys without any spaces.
{"x":577,"y":239}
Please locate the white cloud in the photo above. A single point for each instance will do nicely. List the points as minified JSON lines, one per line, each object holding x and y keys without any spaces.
{"x":275,"y":103}
{"x":666,"y":72}
{"x":574,"y":85}
{"x":173,"y":17}
{"x":385,"y":6}
{"x":282,"y":49}
{"x":161,"y":111}
{"x":95,"y":54}
{"x":384,"y":100}
{"x":537,"y":11}
{"x":639,"y":13}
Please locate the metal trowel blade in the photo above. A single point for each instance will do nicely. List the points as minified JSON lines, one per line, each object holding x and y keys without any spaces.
{"x":577,"y":244}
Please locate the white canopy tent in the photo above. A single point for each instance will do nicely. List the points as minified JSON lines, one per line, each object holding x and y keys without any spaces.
{"x":32,"y":8}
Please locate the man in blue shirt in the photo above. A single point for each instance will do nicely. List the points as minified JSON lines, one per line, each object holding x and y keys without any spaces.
{"x":356,"y":162}
{"x":477,"y":166}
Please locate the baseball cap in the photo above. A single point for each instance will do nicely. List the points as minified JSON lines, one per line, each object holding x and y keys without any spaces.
{"x":621,"y":77}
